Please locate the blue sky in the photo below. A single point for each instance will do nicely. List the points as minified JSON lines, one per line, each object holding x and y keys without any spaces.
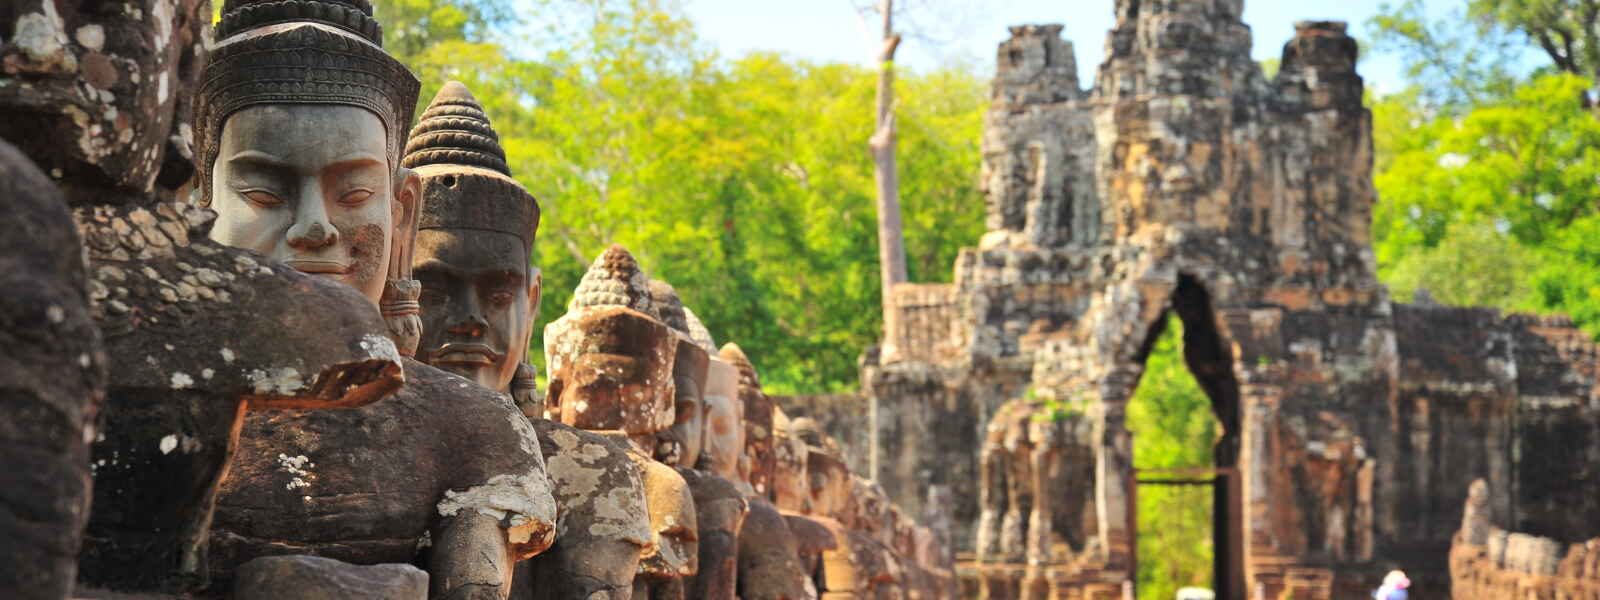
{"x":967,"y":31}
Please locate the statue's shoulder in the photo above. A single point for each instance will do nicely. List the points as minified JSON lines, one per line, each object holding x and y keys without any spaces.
{"x":474,"y":421}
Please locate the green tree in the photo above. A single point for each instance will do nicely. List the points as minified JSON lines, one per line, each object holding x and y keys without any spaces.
{"x":742,"y":182}
{"x":1453,"y":62}
{"x":1491,"y":207}
{"x":1567,"y":31}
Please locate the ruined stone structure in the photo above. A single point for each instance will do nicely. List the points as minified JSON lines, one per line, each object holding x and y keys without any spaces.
{"x":1185,"y":183}
{"x":1489,"y":562}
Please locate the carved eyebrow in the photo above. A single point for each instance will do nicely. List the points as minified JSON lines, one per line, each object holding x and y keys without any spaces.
{"x":258,"y":158}
{"x":356,"y":161}
{"x":438,"y":266}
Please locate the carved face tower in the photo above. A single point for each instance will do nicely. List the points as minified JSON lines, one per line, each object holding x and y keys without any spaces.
{"x":610,"y":359}
{"x":475,"y":233}
{"x":300,"y":117}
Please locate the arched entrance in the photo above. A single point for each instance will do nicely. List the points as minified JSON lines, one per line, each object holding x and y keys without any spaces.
{"x":1208,"y":361}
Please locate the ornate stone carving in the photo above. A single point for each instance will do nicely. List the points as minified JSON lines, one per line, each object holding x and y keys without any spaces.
{"x":283,"y":71}
{"x":480,"y":298}
{"x":769,"y":561}
{"x":611,"y":365}
{"x":97,"y":95}
{"x":720,"y":505}
{"x":294,"y":91}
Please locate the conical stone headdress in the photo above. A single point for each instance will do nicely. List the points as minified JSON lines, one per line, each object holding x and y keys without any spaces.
{"x":300,"y":52}
{"x":614,"y":279}
{"x":465,"y":181}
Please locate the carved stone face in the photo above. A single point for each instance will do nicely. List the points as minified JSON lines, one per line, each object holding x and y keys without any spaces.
{"x":830,"y":484}
{"x":724,"y":421}
{"x":312,"y":185}
{"x":689,"y":371}
{"x":611,"y":369}
{"x":791,"y":491}
{"x":91,"y":88}
{"x":478,"y":302}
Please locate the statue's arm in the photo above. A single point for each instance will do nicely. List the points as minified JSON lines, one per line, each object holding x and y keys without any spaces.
{"x":471,"y":558}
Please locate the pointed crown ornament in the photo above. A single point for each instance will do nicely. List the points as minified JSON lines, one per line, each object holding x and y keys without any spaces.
{"x":466,"y":183}
{"x":299,"y":52}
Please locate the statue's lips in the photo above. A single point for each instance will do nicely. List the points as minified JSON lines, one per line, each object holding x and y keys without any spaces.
{"x":464,"y":353}
{"x":320,"y":267}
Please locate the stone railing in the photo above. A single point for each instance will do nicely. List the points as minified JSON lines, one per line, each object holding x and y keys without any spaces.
{"x":923,"y":324}
{"x":1487,"y":562}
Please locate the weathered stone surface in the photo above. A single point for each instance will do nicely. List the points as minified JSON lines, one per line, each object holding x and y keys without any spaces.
{"x":52,"y":378}
{"x":720,"y":511}
{"x":611,"y":367}
{"x":384,"y":482}
{"x":316,"y":578}
{"x":268,"y":337}
{"x":97,"y":97}
{"x":603,"y":524}
{"x":1487,"y":562}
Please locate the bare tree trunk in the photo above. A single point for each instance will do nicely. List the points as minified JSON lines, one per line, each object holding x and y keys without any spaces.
{"x":891,"y":244}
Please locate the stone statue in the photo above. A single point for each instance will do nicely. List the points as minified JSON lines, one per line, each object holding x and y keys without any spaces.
{"x":475,"y":236}
{"x":769,"y":561}
{"x":95,"y":97}
{"x":720,"y":505}
{"x":611,"y":362}
{"x":51,"y":384}
{"x":300,"y":117}
{"x":282,"y":73}
{"x":479,"y":300}
{"x":791,"y":494}
{"x":841,"y":577}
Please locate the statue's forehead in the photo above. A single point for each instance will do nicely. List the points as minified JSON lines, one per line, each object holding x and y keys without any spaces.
{"x":470,"y":251}
{"x":306,"y":134}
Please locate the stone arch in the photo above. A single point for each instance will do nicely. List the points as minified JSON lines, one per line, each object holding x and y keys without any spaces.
{"x":1209,"y":359}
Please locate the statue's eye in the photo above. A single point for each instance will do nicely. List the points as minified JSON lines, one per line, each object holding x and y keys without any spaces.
{"x":355,"y":197}
{"x":263,"y":198}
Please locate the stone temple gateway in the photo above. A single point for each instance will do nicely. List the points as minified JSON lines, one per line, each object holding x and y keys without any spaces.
{"x":1186,"y":184}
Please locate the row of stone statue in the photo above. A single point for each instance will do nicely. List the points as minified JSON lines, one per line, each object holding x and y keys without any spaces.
{"x":197,"y":395}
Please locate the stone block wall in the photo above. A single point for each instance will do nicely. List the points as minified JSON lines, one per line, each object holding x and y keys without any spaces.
{"x":1487,"y":562}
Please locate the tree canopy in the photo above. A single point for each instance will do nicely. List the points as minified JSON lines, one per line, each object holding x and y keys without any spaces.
{"x":742,"y":181}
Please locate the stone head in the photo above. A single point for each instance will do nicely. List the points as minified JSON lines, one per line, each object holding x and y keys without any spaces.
{"x":724,"y":421}
{"x":299,"y":120}
{"x":829,"y":481}
{"x":474,"y":240}
{"x":757,"y":462}
{"x":93,"y":91}
{"x":790,"y":489}
{"x":687,"y":436}
{"x":871,"y":506}
{"x":610,"y":358}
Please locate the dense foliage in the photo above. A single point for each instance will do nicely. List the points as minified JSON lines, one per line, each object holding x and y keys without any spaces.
{"x":744,"y":182}
{"x":1487,"y":183}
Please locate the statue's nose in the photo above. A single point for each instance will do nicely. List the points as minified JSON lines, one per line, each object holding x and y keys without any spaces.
{"x":311,"y":229}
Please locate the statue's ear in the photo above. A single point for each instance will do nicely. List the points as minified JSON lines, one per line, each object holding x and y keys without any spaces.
{"x":535,"y":298}
{"x":535,"y":295}
{"x":407,"y":203}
